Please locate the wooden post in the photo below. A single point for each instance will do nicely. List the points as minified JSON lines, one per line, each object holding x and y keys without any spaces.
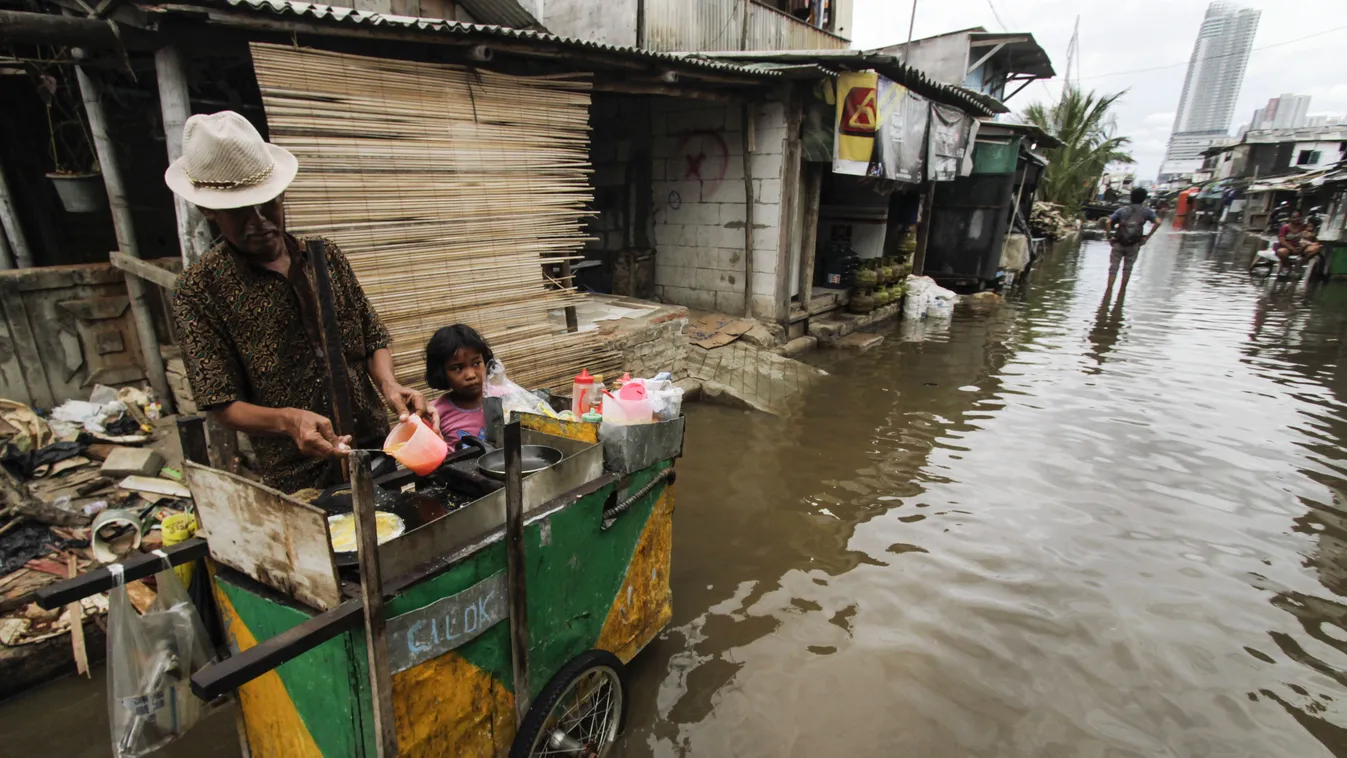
{"x":515,"y":569}
{"x":6,"y":253}
{"x":567,"y":280}
{"x":194,"y":237}
{"x":174,"y":102}
{"x":9,"y":227}
{"x":192,"y":437}
{"x":124,"y":225}
{"x":371,"y":594}
{"x":923,"y":229}
{"x":343,"y":419}
{"x":792,"y":165}
{"x":749,"y":126}
{"x":813,"y":189}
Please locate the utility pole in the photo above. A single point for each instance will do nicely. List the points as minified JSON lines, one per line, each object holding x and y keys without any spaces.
{"x":1072,"y":59}
{"x":912,"y":24}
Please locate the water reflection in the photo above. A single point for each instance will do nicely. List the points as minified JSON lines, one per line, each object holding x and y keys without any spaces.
{"x":1082,"y":523}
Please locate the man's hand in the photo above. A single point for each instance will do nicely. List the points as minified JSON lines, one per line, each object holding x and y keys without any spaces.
{"x":314,"y":435}
{"x":405,"y":400}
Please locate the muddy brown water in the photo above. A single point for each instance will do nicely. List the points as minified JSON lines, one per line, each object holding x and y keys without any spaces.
{"x":1064,"y":526}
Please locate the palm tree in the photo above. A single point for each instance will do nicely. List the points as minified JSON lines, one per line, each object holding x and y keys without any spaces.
{"x":1083,"y":121}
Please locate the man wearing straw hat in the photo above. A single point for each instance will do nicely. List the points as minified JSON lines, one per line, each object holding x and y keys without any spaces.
{"x":248,"y":314}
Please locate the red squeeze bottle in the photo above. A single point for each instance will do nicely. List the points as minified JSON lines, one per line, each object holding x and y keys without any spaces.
{"x":582,"y":392}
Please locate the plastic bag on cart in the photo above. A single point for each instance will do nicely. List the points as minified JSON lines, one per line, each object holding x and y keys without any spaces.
{"x":513,"y":397}
{"x":151,"y":659}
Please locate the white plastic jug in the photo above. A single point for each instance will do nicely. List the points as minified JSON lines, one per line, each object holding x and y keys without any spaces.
{"x":623,"y":412}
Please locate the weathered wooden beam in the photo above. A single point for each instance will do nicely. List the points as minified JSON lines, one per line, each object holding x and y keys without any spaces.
{"x":749,"y":127}
{"x":144,"y":270}
{"x":123,"y":223}
{"x":664,"y":91}
{"x":22,"y":27}
{"x":176,"y":106}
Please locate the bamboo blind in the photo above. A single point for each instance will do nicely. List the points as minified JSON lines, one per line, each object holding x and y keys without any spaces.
{"x":447,"y":188}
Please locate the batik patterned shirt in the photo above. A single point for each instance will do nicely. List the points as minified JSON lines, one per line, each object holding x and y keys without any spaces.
{"x":251,"y":334}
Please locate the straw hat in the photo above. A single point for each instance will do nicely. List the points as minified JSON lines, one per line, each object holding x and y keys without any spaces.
{"x":226,"y":164}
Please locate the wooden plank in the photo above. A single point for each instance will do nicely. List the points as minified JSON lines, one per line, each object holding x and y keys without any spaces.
{"x":812,"y":193}
{"x":145,"y":270}
{"x":25,"y":343}
{"x":75,"y":615}
{"x":372,"y":596}
{"x":267,"y":535}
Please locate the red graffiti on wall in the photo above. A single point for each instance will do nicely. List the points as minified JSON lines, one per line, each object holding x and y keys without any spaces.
{"x":705,"y":154}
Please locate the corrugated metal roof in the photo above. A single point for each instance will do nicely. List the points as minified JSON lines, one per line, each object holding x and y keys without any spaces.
{"x":353,"y":17}
{"x":862,"y":60}
{"x":503,"y":12}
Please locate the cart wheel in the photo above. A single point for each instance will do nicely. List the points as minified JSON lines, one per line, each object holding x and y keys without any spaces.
{"x":580,"y":711}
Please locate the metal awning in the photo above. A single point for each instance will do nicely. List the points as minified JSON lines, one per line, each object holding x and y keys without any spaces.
{"x":890,"y":66}
{"x":1020,"y":53}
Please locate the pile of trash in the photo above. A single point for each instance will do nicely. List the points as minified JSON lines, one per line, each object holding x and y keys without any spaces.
{"x":926,"y":299}
{"x":81,"y":486}
{"x":1046,"y":220}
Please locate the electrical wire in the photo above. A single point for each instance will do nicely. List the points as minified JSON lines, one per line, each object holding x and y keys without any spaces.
{"x":997,"y":16}
{"x":1215,"y":57}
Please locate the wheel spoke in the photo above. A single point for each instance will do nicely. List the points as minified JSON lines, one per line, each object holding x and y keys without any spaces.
{"x":585,"y":713}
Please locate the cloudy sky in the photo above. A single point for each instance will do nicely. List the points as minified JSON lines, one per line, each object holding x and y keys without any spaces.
{"x":1144,"y":34}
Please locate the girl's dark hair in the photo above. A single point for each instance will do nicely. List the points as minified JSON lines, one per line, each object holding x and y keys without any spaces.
{"x":444,"y":345}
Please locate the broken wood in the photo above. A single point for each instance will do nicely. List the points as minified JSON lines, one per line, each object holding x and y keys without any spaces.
{"x":17,"y":495}
{"x":144,"y":269}
{"x":75,"y":616}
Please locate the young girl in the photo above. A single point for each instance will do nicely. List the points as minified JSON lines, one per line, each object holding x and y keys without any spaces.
{"x":456,"y":361}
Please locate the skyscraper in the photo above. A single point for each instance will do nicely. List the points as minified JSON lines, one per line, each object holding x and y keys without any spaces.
{"x":1285,"y":112}
{"x":1215,"y":72}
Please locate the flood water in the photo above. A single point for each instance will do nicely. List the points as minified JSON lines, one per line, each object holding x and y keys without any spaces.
{"x":1061,"y":526}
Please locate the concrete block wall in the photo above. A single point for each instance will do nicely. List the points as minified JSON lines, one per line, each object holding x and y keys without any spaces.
{"x":653,"y":344}
{"x":698,"y":209}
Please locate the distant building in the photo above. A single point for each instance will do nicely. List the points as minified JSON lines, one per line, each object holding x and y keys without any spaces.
{"x":993,"y":63}
{"x":1276,"y":152}
{"x":1215,"y":73}
{"x":1285,"y":112}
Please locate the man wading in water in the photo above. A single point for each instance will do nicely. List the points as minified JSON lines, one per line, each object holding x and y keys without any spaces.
{"x":247,"y":314}
{"x":1127,"y":226}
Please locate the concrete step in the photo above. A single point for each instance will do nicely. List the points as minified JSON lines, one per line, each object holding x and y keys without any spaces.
{"x":746,"y":376}
{"x":860,"y":341}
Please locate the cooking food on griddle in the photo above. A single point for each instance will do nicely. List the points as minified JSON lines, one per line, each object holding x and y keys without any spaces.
{"x":341,"y":529}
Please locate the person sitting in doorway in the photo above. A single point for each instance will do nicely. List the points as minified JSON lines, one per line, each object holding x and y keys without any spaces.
{"x":456,"y":363}
{"x":1127,"y":226}
{"x":1297,"y":237}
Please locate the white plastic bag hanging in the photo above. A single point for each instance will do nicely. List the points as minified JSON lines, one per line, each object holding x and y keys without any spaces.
{"x":514,"y":399}
{"x":151,"y":659}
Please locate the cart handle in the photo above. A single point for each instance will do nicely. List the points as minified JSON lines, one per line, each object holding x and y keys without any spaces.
{"x":240,"y":668}
{"x":140,"y":566}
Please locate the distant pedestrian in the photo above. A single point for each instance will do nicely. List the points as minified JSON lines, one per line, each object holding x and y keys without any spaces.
{"x":1127,"y":226}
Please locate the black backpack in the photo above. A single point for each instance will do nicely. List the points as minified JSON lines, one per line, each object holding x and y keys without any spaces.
{"x":1132,"y":229}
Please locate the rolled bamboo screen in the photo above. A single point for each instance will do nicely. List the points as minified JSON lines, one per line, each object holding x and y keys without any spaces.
{"x":448,"y":189}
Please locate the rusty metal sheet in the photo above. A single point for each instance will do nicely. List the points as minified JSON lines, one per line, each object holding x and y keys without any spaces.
{"x":433,"y":630}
